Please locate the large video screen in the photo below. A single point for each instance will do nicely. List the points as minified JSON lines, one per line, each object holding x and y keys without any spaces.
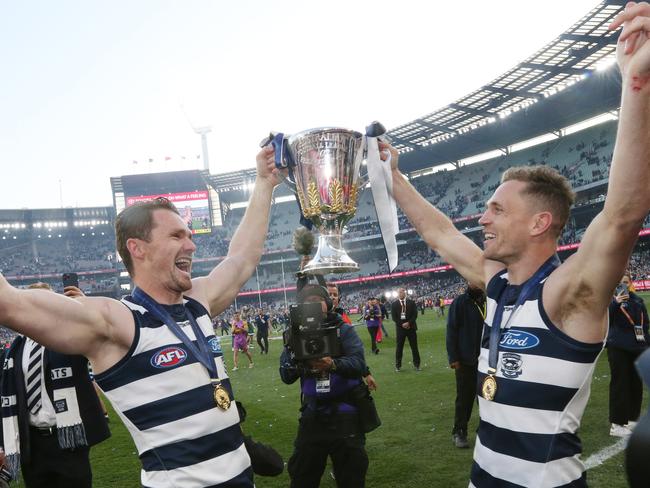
{"x":194,"y":207}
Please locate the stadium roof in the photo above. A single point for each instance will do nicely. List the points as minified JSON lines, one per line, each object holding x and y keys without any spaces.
{"x":565,"y":82}
{"x":561,"y":84}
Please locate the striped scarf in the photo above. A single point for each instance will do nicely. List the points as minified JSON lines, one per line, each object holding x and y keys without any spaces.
{"x":65,"y":379}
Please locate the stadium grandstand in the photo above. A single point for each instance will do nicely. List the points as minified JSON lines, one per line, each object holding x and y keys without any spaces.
{"x":558,"y":107}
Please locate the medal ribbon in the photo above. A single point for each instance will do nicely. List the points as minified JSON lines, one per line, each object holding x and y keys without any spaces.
{"x":481,"y":309}
{"x":201,"y":352}
{"x":495,"y":331}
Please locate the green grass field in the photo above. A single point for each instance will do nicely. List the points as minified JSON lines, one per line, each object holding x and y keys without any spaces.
{"x":412,"y":448}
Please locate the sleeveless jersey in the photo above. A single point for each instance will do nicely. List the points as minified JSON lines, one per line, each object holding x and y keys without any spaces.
{"x":527,"y":434}
{"x":164,"y":396}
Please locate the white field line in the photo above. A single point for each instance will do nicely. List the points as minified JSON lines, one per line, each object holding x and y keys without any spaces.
{"x":598,"y":458}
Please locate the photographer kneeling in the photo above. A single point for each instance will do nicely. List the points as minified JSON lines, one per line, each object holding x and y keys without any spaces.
{"x":327,"y":355}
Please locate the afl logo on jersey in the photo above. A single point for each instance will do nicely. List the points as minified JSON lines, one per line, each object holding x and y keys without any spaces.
{"x":168,"y":357}
{"x":518,"y":339}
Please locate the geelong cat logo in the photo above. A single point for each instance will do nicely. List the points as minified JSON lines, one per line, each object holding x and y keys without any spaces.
{"x":168,"y":357}
{"x":518,"y":339}
{"x":511,"y":365}
{"x":215,"y":345}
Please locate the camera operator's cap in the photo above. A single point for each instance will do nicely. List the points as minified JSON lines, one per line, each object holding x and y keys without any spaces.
{"x":311,"y":290}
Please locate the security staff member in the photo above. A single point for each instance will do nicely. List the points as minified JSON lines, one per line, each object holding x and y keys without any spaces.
{"x":464,"y":329}
{"x":404,"y":313}
{"x":262,"y":322}
{"x":329,"y":425}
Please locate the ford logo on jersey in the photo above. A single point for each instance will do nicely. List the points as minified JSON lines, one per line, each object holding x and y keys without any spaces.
{"x":168,"y":357}
{"x":518,"y":339}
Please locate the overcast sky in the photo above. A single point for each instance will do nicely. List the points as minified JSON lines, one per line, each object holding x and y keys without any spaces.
{"x":88,"y":88}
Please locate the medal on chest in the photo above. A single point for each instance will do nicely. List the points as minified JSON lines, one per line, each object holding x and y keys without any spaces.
{"x":221,"y":396}
{"x":489,"y":387}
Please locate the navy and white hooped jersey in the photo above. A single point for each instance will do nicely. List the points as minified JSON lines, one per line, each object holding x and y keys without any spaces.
{"x":527,"y":434}
{"x":164,"y":396}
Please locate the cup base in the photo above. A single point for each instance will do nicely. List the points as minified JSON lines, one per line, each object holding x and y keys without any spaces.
{"x":330,"y":257}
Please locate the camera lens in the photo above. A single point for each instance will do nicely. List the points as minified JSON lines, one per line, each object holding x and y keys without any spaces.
{"x":314,"y":346}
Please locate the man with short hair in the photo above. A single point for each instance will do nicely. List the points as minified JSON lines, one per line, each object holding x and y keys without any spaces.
{"x":404,"y":312}
{"x":335,"y":296}
{"x":154,"y":354}
{"x":546,"y":321}
{"x":262,"y":324}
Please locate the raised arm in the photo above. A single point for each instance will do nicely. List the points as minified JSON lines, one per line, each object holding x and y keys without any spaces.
{"x":221,"y":286}
{"x":67,"y":325}
{"x":438,"y":231}
{"x":585,"y":282}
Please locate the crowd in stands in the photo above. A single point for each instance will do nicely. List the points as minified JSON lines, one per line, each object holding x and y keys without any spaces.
{"x":56,"y":255}
{"x":583,"y":158}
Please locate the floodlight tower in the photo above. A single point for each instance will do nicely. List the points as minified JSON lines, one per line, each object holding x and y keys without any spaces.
{"x":204,"y":131}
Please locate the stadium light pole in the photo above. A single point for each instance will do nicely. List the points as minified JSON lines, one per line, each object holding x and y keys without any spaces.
{"x":284,"y":283}
{"x":259,"y":292}
{"x":203,"y":132}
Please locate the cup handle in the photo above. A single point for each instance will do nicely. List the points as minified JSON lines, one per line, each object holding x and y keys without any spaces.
{"x":282,"y":162}
{"x":288,"y":181}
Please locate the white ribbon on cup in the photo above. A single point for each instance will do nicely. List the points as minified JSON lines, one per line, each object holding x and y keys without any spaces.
{"x":381,"y":184}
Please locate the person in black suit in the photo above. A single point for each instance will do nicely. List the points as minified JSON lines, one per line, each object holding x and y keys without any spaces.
{"x":628,"y":337}
{"x":404,"y":312}
{"x":464,"y":330}
{"x":52,"y":406}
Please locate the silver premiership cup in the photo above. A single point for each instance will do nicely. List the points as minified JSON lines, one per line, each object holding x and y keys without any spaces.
{"x":325,"y":174}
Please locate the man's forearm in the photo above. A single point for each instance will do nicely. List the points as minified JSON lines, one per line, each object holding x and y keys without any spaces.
{"x":248,"y":241}
{"x":427,"y":219}
{"x":628,"y":199}
{"x":439,"y":232}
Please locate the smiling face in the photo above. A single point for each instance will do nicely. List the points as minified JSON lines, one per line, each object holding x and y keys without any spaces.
{"x":506,"y":223}
{"x":166,"y":258}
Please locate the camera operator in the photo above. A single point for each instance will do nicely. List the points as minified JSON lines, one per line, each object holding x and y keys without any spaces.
{"x":627,"y":339}
{"x":330,"y":424}
{"x":333,"y":290}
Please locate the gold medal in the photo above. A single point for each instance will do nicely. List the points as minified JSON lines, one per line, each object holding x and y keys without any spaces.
{"x":489,"y":387}
{"x":221,"y":397}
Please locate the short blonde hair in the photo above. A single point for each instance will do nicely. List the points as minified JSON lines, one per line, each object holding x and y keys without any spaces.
{"x":39,"y":285}
{"x":548,"y":187}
